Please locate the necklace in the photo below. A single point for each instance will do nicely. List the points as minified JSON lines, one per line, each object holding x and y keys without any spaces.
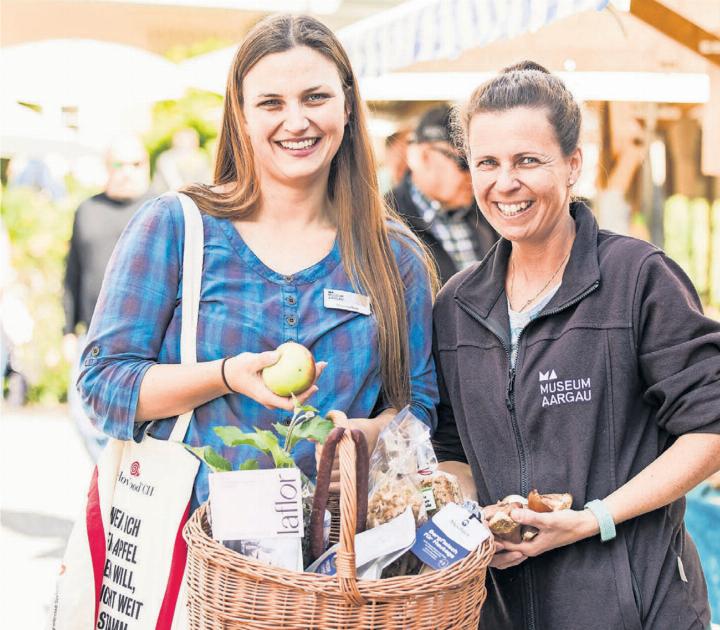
{"x":545,"y":286}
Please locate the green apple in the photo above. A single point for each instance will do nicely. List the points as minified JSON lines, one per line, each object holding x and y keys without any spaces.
{"x":294,"y":371}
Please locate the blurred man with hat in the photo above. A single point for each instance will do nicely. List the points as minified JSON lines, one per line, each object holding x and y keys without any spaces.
{"x":435,"y":197}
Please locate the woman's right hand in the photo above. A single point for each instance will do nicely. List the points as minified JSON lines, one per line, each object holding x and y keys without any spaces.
{"x":504,"y":559}
{"x":244,"y":374}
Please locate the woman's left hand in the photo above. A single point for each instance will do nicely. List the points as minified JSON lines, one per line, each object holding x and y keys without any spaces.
{"x":371,"y":429}
{"x":555,"y":529}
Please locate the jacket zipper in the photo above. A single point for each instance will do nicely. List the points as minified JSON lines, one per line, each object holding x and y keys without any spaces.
{"x":510,"y":404}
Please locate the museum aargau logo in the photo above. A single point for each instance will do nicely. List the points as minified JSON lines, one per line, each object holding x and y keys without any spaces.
{"x":557,"y":391}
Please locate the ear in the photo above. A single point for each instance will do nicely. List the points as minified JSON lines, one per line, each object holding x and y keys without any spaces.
{"x":575,"y":161}
{"x":415,"y":156}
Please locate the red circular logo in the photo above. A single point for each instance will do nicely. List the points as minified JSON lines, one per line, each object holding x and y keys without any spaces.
{"x":135,"y":469}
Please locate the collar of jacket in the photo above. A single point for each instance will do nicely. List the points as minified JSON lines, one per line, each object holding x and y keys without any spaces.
{"x":483,"y":287}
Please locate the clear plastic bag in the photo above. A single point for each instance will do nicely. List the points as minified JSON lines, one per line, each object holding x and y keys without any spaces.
{"x":403,"y":449}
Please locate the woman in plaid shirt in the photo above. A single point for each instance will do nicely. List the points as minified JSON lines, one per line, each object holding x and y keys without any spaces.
{"x":294,"y":217}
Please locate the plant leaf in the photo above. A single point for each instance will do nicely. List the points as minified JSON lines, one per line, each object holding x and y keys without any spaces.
{"x":249,"y":464}
{"x":262,"y":440}
{"x":212,"y":458}
{"x":265,"y":441}
{"x":298,"y":407}
{"x":229,"y":435}
{"x":317,"y":428}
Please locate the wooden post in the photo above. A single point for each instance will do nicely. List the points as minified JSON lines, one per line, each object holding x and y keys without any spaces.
{"x":707,"y":45}
{"x":711,"y":126}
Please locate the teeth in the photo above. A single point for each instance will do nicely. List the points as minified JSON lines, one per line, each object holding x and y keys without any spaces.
{"x":302,"y":144}
{"x":513,"y":208}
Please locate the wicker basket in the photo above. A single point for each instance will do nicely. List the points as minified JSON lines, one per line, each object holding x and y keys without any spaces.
{"x":230,"y":592}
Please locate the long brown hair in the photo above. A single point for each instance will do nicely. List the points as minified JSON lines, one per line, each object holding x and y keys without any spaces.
{"x":361,"y":215}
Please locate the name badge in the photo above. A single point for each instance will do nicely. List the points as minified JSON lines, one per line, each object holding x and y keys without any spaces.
{"x":346,"y":301}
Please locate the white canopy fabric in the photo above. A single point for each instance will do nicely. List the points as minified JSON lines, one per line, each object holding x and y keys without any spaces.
{"x":71,"y":72}
{"x":427,"y":30}
{"x":25,"y":132}
{"x":209,"y":71}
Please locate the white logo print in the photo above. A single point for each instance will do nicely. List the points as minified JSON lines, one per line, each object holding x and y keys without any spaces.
{"x":556,"y":391}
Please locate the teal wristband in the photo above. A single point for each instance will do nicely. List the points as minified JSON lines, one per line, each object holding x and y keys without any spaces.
{"x":605,"y":520}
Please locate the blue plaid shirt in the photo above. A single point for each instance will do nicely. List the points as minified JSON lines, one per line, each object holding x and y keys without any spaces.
{"x":244,"y":307}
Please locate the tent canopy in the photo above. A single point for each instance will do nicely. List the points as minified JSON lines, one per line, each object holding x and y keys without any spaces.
{"x":426,"y":30}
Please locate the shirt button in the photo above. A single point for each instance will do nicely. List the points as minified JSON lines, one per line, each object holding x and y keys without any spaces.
{"x":291,"y":321}
{"x":95,"y":351}
{"x":291,"y":299}
{"x":288,"y":278}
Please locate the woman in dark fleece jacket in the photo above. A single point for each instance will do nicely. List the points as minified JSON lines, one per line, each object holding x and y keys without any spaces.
{"x":574,"y":360}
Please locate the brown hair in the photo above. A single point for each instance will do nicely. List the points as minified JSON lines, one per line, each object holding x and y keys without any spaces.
{"x":361,"y":216}
{"x":525,"y":84}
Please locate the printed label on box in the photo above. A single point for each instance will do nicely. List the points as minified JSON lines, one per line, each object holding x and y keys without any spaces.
{"x":246,"y":504}
{"x":448,"y":537}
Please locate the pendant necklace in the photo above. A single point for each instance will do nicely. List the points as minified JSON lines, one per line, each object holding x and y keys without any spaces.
{"x":546,"y":285}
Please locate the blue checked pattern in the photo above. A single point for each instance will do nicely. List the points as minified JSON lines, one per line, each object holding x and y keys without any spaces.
{"x":450,"y":228}
{"x":244,"y":307}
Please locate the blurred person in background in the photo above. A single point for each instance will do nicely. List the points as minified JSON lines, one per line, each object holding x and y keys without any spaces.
{"x":435,"y":197}
{"x":394,"y":165}
{"x":97,"y":226}
{"x":16,"y":323}
{"x":184,"y":163}
{"x":37,"y":173}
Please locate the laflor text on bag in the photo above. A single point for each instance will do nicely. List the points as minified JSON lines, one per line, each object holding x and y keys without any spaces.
{"x":557,"y":391}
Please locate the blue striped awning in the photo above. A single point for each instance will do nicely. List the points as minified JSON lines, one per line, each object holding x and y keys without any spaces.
{"x":426,"y":30}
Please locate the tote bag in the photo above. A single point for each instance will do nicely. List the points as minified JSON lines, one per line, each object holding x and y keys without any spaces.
{"x":125,"y":559}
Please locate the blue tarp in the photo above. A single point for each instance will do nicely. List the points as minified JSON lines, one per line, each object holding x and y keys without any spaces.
{"x":428,"y":30}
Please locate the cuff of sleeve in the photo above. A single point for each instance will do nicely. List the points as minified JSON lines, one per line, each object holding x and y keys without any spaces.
{"x":604,"y":519}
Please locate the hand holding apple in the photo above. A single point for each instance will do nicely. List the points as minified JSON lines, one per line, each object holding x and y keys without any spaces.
{"x":293,"y":372}
{"x":244,"y":375}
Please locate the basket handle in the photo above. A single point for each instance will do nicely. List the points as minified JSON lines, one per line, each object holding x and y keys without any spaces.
{"x":345,"y":558}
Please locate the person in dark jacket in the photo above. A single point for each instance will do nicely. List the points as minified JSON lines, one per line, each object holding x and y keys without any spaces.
{"x":435,"y":197}
{"x":572,"y":359}
{"x":99,"y":221}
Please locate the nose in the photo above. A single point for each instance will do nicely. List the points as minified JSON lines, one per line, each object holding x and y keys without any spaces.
{"x":295,"y":120}
{"x":506,"y":180}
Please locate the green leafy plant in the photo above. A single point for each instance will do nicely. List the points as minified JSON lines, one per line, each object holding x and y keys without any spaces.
{"x":305,"y":424}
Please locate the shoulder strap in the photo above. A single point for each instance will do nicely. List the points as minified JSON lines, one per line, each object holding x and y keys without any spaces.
{"x":190,"y":300}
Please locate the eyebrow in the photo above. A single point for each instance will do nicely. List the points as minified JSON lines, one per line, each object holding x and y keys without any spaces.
{"x":307,"y":91}
{"x":515,"y":155}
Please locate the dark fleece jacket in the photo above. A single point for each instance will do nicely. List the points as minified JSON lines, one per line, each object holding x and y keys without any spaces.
{"x":482,"y":234}
{"x":620,"y":362}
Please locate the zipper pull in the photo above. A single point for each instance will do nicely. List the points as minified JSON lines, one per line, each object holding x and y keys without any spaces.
{"x":509,"y":403}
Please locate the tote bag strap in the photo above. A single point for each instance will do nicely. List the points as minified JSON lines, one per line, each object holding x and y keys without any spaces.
{"x":190,"y":300}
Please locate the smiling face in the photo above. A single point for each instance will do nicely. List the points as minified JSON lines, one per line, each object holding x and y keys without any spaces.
{"x":295,"y":115}
{"x":521,"y":179}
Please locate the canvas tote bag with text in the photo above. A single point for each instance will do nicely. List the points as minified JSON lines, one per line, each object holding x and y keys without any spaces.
{"x":124,"y":563}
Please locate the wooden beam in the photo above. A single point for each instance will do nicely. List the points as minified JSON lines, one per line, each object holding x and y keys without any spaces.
{"x":678,"y":27}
